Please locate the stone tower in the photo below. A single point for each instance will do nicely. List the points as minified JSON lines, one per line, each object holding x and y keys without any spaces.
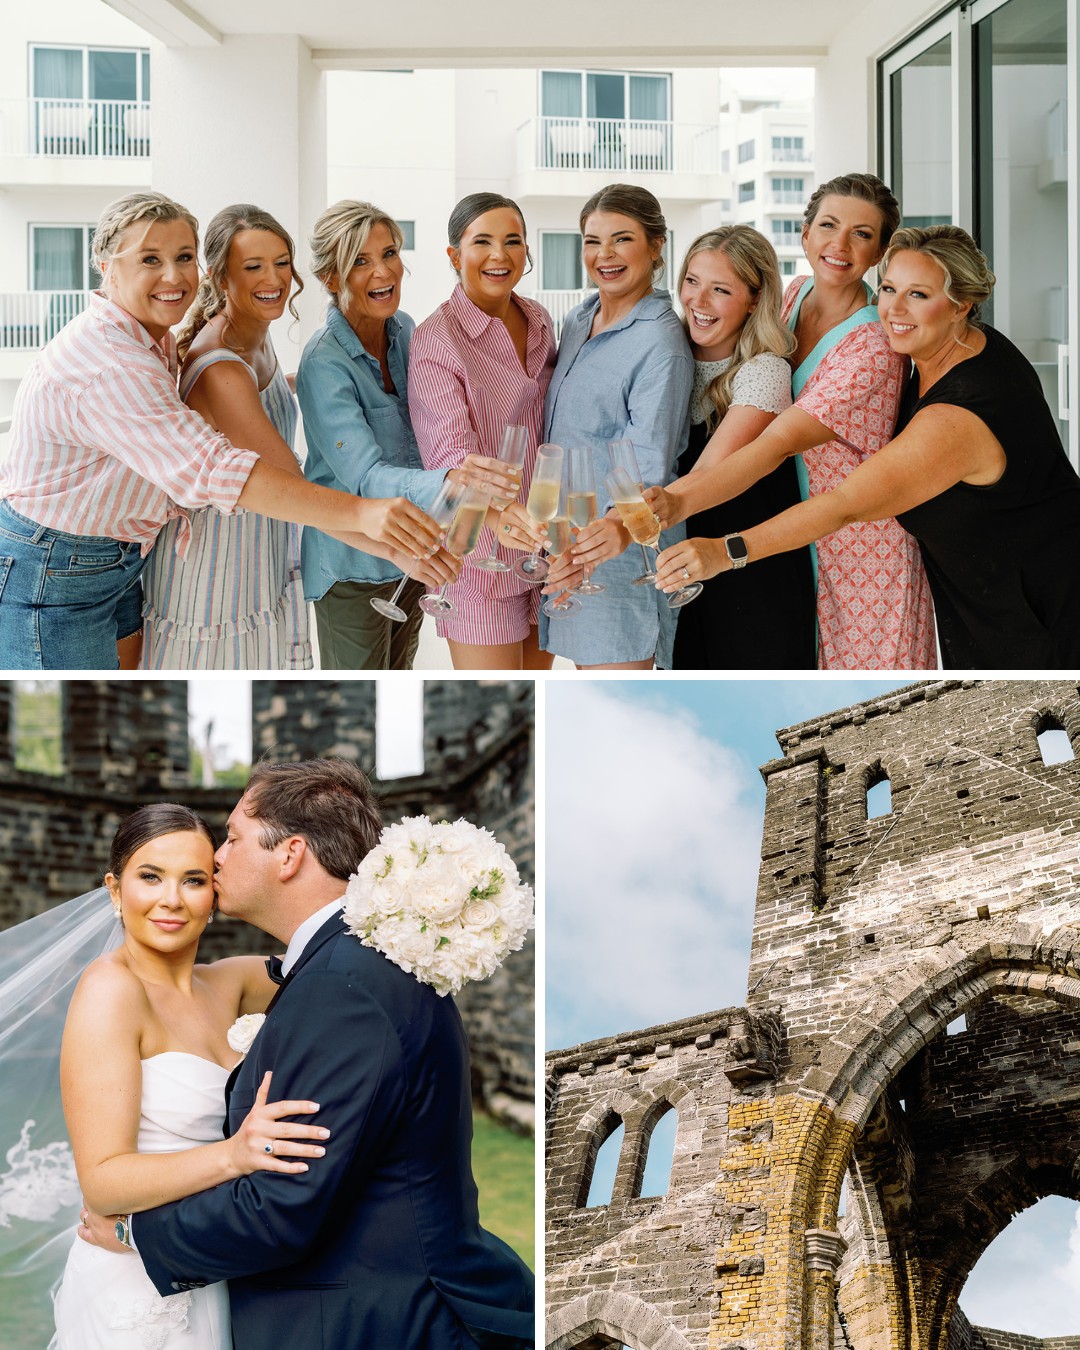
{"x":912,"y":1027}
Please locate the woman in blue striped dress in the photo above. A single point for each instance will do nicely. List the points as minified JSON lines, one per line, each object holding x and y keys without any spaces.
{"x":234,"y":600}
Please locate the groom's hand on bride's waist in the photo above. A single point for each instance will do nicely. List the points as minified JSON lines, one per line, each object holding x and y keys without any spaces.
{"x":100,"y":1230}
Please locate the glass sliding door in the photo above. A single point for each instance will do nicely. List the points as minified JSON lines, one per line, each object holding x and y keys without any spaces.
{"x":1022,"y":219}
{"x":919,"y":152}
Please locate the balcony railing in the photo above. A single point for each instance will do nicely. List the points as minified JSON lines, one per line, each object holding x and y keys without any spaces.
{"x":788,"y":197}
{"x":789,"y":155}
{"x":614,"y":144}
{"x":28,"y":319}
{"x":74,"y":128}
{"x":559,"y":304}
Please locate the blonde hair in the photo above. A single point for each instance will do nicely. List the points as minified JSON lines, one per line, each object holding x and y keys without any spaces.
{"x":119,"y":216}
{"x":624,"y":199}
{"x":338,"y":238}
{"x":753,"y":260}
{"x":220,"y":233}
{"x":968,"y":278}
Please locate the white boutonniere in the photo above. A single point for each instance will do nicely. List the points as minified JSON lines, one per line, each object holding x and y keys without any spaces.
{"x":442,"y":901}
{"x":244,"y":1030}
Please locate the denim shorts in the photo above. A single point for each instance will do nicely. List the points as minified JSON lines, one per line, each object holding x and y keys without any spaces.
{"x":65,"y":599}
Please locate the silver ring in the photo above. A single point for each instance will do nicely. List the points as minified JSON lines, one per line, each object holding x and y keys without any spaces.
{"x":686,"y":573}
{"x":268,"y":1148}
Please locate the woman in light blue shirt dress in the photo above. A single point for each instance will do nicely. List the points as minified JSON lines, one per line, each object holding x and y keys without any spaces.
{"x":624,"y":371}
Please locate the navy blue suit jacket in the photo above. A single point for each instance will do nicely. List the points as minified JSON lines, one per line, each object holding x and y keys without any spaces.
{"x":378,"y":1245}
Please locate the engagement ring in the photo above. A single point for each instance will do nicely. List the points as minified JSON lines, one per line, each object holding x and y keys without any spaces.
{"x":268,"y":1148}
{"x":686,"y":573}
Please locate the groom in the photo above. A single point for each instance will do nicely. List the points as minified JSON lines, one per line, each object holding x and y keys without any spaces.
{"x":378,"y":1245}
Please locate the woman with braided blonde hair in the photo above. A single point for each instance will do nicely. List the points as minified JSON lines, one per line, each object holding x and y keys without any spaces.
{"x":234,"y":600}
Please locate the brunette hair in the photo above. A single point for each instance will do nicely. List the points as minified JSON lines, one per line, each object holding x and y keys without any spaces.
{"x":753,"y":260}
{"x":327,"y":801}
{"x":119,"y":216}
{"x":968,"y":278}
{"x":149,"y":823}
{"x":636,"y":202}
{"x":338,"y":239}
{"x":476,"y":204}
{"x":864,"y":187}
{"x":220,"y":233}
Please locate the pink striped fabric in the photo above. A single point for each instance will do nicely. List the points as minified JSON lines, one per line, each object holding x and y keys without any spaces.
{"x":465,"y":384}
{"x":101,"y":443}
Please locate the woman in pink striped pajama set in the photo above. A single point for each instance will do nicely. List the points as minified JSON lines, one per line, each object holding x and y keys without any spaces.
{"x":483,"y":361}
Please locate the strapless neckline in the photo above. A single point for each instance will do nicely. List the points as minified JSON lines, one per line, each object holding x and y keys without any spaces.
{"x":188,"y":1054}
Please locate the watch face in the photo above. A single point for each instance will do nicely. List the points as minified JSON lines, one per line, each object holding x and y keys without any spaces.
{"x":736,"y":548}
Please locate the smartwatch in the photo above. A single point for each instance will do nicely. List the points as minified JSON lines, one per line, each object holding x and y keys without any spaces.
{"x":737,"y":552}
{"x":123,"y":1230}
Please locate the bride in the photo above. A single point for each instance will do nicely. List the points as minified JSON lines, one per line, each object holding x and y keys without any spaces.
{"x":143,"y":1069}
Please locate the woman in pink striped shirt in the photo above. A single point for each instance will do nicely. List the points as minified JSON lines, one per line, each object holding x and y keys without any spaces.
{"x":103,"y":452}
{"x":483,"y":361}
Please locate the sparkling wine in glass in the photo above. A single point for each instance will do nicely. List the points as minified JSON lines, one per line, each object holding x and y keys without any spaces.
{"x":542,"y":504}
{"x":624,"y":457}
{"x":461,"y":537}
{"x":581,"y":501}
{"x":442,"y":511}
{"x":512,"y":448}
{"x":644,"y":527}
{"x":559,"y":539}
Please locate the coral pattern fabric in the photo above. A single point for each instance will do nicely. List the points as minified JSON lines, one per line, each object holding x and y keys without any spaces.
{"x":873,"y":602}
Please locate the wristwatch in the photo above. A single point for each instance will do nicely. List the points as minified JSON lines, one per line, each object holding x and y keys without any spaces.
{"x":123,"y":1230}
{"x":737,"y":552}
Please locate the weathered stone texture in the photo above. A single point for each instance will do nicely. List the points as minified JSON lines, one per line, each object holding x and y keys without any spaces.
{"x":871,"y":936}
{"x":125,"y":743}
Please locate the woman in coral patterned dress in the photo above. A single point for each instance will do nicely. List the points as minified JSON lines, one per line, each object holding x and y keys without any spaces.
{"x":874,"y":609}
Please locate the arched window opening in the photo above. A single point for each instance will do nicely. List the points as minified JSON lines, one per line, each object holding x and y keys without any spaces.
{"x":878,"y":795}
{"x":1025,"y":1281}
{"x":656,"y":1178}
{"x":399,"y":728}
{"x":957,"y":1025}
{"x":37,"y":727}
{"x":1054,"y":744}
{"x":606,"y":1165}
{"x":219,"y":732}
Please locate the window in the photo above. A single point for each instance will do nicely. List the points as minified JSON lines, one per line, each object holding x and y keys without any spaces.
{"x":725,"y":161}
{"x":1054,"y":744}
{"x":746,"y":151}
{"x":878,"y":795}
{"x":37,"y":727}
{"x":91,"y":100}
{"x":788,"y":148}
{"x":746,"y":191}
{"x":787,"y":267}
{"x":602,"y":1183}
{"x":408,"y":230}
{"x":605,"y":94}
{"x":399,"y":728}
{"x":60,"y":258}
{"x":603,"y":119}
{"x":789,"y":191}
{"x":660,"y":1155}
{"x":787,"y":233}
{"x":560,"y":261}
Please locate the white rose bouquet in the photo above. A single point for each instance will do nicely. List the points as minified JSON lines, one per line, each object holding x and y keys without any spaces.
{"x":444,"y":902}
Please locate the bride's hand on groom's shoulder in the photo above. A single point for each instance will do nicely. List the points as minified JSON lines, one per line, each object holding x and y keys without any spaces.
{"x":266,"y":1141}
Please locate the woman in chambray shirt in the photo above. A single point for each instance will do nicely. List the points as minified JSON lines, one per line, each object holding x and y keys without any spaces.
{"x":624,"y":371}
{"x":352,"y":390}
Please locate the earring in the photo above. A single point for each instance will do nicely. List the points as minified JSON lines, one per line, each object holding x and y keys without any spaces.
{"x":119,"y":914}
{"x":210,"y":919}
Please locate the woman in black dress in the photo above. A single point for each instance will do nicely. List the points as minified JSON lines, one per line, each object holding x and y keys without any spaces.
{"x":729,"y":288}
{"x":976,"y":473}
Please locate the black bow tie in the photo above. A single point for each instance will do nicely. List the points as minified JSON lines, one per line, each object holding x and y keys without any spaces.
{"x":273,"y":969}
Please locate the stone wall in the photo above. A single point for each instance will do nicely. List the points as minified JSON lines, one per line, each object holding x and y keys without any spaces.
{"x":125,"y":743}
{"x":871,"y":937}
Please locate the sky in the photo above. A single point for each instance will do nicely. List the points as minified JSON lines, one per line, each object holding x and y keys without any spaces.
{"x":398,"y":722}
{"x":652,"y":797}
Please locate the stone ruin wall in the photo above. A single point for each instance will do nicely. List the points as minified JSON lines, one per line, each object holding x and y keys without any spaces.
{"x":871,"y":936}
{"x":126,"y":743}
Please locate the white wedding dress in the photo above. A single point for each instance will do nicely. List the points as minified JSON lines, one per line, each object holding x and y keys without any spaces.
{"x":106,"y":1300}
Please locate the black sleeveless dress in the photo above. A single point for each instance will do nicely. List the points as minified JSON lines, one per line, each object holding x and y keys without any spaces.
{"x":762,"y":617}
{"x":1003,"y":560}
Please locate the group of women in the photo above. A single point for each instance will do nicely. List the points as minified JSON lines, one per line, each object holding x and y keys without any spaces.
{"x":906,"y":438}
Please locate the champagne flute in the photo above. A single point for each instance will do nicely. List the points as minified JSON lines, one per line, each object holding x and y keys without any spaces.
{"x":623,"y":457}
{"x":512,"y":447}
{"x":460,"y":538}
{"x":644,"y":527}
{"x":581,"y":500}
{"x":542,"y":504}
{"x":558,"y":541}
{"x":442,"y":512}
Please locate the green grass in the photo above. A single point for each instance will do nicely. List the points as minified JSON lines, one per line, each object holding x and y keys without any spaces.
{"x":504,"y":1170}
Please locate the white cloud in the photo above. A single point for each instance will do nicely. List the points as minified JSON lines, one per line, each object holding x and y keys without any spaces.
{"x":652,"y":855}
{"x":1028,"y":1279}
